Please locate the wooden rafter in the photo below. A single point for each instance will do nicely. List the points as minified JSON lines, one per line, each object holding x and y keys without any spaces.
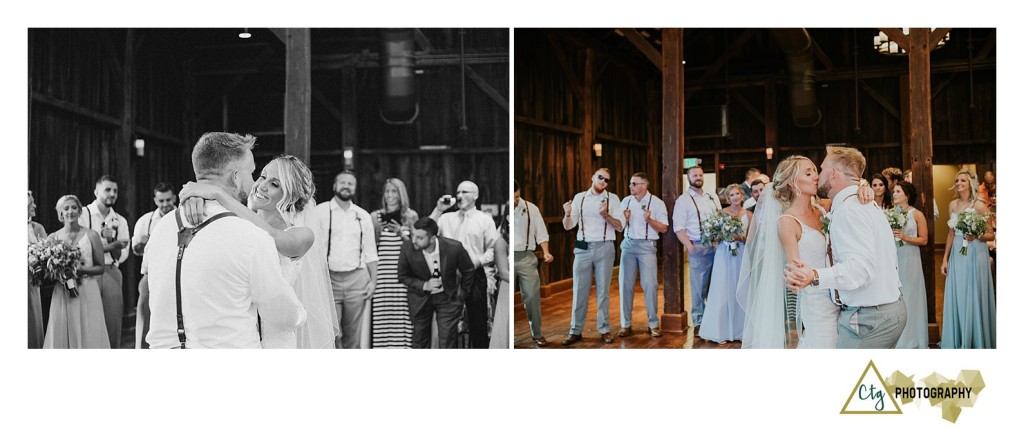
{"x":567,"y":70}
{"x":748,"y":107}
{"x":821,"y":55}
{"x":896,"y":34}
{"x":492,"y":93}
{"x":937,"y":35}
{"x":326,"y":102}
{"x":421,"y":39}
{"x":237,"y":80}
{"x":734,"y":48}
{"x":880,"y":100}
{"x":643,"y":45}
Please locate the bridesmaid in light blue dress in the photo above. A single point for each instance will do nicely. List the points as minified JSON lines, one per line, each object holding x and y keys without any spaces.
{"x":969,"y":307}
{"x":723,"y":315}
{"x":915,"y":334}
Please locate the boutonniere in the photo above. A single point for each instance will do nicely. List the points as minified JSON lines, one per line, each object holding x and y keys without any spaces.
{"x":113,"y":223}
{"x":825,"y":220}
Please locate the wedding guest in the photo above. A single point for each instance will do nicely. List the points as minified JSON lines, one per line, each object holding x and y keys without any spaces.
{"x":892,"y":175}
{"x":756,"y":187}
{"x":392,"y":225}
{"x":36,"y":233}
{"x":165,"y":200}
{"x":113,"y":228}
{"x":880,"y":185}
{"x":438,"y":272}
{"x":987,"y":190}
{"x":597,"y":212}
{"x":691,"y":209}
{"x":969,"y":306}
{"x":531,"y":232}
{"x":752,"y":174}
{"x":230,"y":274}
{"x":77,"y":322}
{"x":914,"y":236}
{"x":646,"y":219}
{"x":351,"y":258}
{"x":863,"y":274}
{"x":499,"y":331}
{"x":475,"y":230}
{"x":723,"y":317}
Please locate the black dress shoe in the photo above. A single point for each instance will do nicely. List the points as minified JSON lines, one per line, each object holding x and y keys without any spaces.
{"x":572,"y":338}
{"x":607,"y":338}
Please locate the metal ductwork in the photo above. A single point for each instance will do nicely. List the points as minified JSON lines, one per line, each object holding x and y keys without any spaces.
{"x":796,"y":44}
{"x":398,"y":76}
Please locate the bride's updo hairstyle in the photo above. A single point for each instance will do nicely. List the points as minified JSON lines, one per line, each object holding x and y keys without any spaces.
{"x":63,"y":200}
{"x":785,"y":176}
{"x":296,"y":184}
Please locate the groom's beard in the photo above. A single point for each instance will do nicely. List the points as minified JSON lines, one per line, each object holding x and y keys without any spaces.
{"x":824,"y":189}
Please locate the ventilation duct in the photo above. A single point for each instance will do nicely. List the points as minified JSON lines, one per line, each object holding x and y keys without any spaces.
{"x":398,"y":76}
{"x":796,"y":44}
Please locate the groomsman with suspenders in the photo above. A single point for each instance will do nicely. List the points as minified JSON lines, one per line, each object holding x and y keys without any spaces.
{"x":646,"y":219}
{"x":599,"y":215}
{"x":165,"y":200}
{"x":530,"y":233}
{"x":113,"y":229}
{"x":692,"y":208}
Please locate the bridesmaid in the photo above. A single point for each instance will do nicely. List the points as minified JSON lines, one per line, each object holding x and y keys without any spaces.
{"x":969,"y":307}
{"x":723,"y":316}
{"x":391,"y":326}
{"x":36,"y":233}
{"x":499,"y":330}
{"x":77,"y":322}
{"x":914,"y":236}
{"x":880,"y":185}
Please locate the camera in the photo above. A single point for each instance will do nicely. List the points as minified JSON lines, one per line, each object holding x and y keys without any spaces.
{"x":447,"y":200}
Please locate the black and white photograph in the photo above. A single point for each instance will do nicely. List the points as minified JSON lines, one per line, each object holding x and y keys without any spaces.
{"x":284,"y":188}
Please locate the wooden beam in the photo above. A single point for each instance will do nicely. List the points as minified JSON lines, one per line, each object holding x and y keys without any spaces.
{"x":734,"y":48}
{"x":567,"y":69}
{"x":586,"y":161}
{"x":320,"y":97}
{"x":160,"y":136}
{"x":821,"y":55}
{"x":421,"y":39}
{"x":896,"y":35}
{"x":674,"y":318}
{"x":237,"y":80}
{"x":548,"y":125}
{"x":281,"y":33}
{"x":936,"y":36}
{"x":622,"y":140}
{"x":111,"y":54}
{"x":990,"y":43}
{"x":123,"y":145}
{"x":880,"y":100}
{"x":297,"y":94}
{"x":748,"y":107}
{"x":601,"y":49}
{"x":358,"y":60}
{"x":641,"y":44}
{"x":75,"y":109}
{"x":492,"y":93}
{"x":919,"y":54}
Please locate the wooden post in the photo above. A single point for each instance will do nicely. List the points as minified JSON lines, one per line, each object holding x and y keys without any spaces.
{"x":921,"y":145}
{"x":587,"y":140}
{"x":771,"y":127}
{"x":297,"y":93}
{"x":674,"y":318}
{"x":125,"y":164}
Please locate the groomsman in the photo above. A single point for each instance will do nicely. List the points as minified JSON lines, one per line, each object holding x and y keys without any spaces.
{"x":692,"y":208}
{"x":113,"y":228}
{"x":646,"y":219}
{"x":165,"y":200}
{"x":530,"y":232}
{"x":475,"y":230}
{"x":863,"y":277}
{"x":755,"y":194}
{"x":599,"y":215}
{"x":748,"y":184}
{"x":351,"y":258}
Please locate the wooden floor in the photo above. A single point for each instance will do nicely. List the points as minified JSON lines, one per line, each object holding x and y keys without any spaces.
{"x":556,"y":312}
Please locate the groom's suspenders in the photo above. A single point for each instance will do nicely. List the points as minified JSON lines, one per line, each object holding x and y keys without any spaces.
{"x":831,"y":262}
{"x":185,"y":236}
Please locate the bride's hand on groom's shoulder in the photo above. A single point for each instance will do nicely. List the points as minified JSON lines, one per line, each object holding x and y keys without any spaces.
{"x":199,"y":190}
{"x":193,"y":209}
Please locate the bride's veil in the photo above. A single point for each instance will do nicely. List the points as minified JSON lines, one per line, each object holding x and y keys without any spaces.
{"x":761,"y":291}
{"x":314,"y":287}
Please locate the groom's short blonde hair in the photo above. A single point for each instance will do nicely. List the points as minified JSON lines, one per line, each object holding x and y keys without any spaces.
{"x":216,"y":150}
{"x":847,"y":159}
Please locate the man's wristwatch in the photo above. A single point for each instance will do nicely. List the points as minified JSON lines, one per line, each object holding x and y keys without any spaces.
{"x":814,"y":282}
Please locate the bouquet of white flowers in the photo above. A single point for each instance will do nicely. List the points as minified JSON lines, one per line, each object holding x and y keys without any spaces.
{"x":969,"y":222}
{"x":897,"y":220}
{"x":721,"y":227}
{"x":54,"y":262}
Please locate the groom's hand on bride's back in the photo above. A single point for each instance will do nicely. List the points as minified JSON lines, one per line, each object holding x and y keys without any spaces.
{"x":194,"y":210}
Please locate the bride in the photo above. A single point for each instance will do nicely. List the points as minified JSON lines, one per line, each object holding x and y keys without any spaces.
{"x":277,"y":204}
{"x":787,"y":226}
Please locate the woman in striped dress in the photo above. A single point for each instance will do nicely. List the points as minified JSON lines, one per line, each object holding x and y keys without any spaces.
{"x":391,"y":327}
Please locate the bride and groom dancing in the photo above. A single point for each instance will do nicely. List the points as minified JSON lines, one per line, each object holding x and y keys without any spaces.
{"x":244,"y":278}
{"x":843,"y":268}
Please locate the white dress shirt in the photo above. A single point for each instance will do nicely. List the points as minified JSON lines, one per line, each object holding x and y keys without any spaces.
{"x":92,"y":219}
{"x":229,"y":271}
{"x":145,"y":225}
{"x":474,"y":229}
{"x":527,"y":216}
{"x":637,"y":227}
{"x":593,"y":227}
{"x":864,"y":256}
{"x":686,"y":215}
{"x":352,"y":241}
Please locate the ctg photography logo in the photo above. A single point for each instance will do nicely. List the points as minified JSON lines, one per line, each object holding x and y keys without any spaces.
{"x":874,"y":395}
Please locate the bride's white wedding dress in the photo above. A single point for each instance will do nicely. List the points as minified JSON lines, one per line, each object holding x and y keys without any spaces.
{"x":817,"y":314}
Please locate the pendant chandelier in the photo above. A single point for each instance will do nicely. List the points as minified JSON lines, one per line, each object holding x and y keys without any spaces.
{"x":884,"y":45}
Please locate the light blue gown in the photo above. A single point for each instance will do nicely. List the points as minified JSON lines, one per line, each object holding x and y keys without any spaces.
{"x":915,"y":335}
{"x":723,"y":315}
{"x":969,"y":307}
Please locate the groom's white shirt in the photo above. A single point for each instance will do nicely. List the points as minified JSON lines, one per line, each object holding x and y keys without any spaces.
{"x":230,"y":271}
{"x":864,"y":252}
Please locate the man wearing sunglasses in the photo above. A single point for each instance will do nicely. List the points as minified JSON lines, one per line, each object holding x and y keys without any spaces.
{"x":599,"y":215}
{"x":692,"y":208}
{"x":646,"y":219}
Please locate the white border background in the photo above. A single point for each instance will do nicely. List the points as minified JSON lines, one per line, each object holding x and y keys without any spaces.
{"x":470,"y":388}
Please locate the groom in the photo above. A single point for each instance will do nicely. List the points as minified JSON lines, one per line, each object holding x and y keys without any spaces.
{"x":863,"y":278}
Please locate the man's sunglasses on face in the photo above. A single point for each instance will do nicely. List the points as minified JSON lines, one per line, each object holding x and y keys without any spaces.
{"x":605,"y":179}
